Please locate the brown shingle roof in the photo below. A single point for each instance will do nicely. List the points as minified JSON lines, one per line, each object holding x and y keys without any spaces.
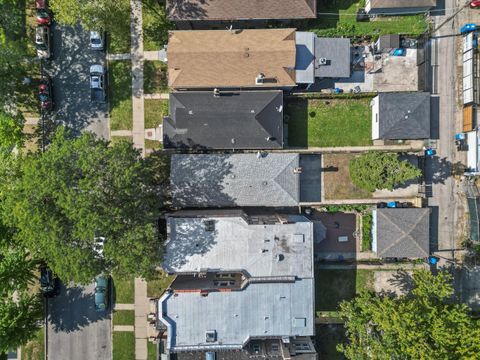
{"x":240,"y":9}
{"x":401,"y":4}
{"x":231,"y":59}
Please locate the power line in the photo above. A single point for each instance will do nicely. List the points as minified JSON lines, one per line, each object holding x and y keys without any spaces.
{"x":398,"y":13}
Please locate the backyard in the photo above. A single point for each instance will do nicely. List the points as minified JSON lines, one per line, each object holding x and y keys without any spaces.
{"x":329,"y":122}
{"x":120,"y":94}
{"x":338,"y":18}
{"x":336,"y":178}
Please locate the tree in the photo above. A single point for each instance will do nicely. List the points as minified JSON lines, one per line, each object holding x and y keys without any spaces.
{"x":424,"y":324}
{"x":378,"y":170}
{"x":80,"y":189}
{"x":11,"y":130}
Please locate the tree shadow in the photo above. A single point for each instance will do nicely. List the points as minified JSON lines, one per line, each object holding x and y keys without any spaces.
{"x":296,"y":112}
{"x":73,"y":309}
{"x":403,"y":281}
{"x":187,"y":9}
{"x":330,"y":13}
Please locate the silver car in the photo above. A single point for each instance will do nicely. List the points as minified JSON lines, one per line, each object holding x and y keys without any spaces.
{"x":42,"y":42}
{"x":97,"y":40}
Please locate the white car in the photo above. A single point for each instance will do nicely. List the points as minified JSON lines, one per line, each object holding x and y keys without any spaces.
{"x":97,"y":40}
{"x":42,"y":42}
{"x":98,"y":246}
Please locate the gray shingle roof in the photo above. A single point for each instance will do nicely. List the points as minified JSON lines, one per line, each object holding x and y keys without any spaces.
{"x":229,"y":180}
{"x":404,"y":115}
{"x":233,"y":120}
{"x":403,"y":232}
{"x":337,"y":53}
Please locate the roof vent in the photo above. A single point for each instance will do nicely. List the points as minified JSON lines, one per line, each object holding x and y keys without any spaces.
{"x":280,"y":257}
{"x":259,"y":79}
{"x":209,"y":225}
{"x":297,"y":170}
{"x":233,"y":140}
{"x":322,"y":61}
{"x":211,"y":335}
{"x":270,"y":138}
{"x":216,"y":92}
{"x":280,"y":108}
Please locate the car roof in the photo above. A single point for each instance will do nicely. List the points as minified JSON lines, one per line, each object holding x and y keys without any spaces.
{"x":97,"y":68}
{"x":40,"y":3}
{"x":101,"y":281}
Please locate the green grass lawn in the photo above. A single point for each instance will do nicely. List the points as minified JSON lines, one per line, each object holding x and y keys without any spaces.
{"x":123,"y":317}
{"x":154,"y":111}
{"x":118,"y":37}
{"x":341,"y":22}
{"x":327,"y":336}
{"x":156,"y":287}
{"x":34,"y":349}
{"x":155,"y":77}
{"x":367,"y":232}
{"x":124,"y":291}
{"x":116,"y":139}
{"x":120,"y":93}
{"x":155,"y":25}
{"x":123,"y":345}
{"x":332,"y":286}
{"x":152,"y":351}
{"x":329,"y":122}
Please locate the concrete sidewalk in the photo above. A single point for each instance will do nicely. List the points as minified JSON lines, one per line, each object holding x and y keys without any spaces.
{"x":141,"y":312}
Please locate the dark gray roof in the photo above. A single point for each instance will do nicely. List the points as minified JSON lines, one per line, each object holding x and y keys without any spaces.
{"x":404,"y":115}
{"x":403,"y":232}
{"x":389,"y":41}
{"x":233,"y":120}
{"x":229,"y":180}
{"x":337,"y":53}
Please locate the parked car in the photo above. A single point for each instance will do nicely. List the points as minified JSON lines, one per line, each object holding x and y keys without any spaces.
{"x":97,"y":83}
{"x":101,"y":292}
{"x":44,"y":15}
{"x":97,"y":40}
{"x":42,"y":41}
{"x":49,"y":283}
{"x":45,"y":93}
{"x":475,"y":4}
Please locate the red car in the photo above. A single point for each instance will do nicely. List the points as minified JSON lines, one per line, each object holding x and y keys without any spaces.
{"x":44,"y":15}
{"x":45,"y":94}
{"x":475,"y":4}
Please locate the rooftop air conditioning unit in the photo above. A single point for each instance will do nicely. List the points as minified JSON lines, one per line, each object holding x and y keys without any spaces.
{"x":322,"y":61}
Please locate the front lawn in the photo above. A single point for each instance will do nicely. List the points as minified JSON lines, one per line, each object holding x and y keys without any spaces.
{"x":116,"y":139}
{"x":152,"y":351}
{"x":155,"y":77}
{"x":329,"y":122}
{"x":123,"y":317}
{"x":341,"y":21}
{"x":120,"y":93}
{"x":157,"y":286}
{"x":124,"y":290}
{"x":155,"y":25}
{"x":123,"y":345}
{"x":332,"y":286}
{"x":337,"y":184}
{"x":118,"y":37}
{"x":154,"y":111}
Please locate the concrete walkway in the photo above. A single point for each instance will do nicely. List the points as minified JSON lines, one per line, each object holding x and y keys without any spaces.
{"x":141,"y":312}
{"x":119,"y":56}
{"x":138,"y":129}
{"x":165,"y":96}
{"x":31,"y":120}
{"x":123,"y":328}
{"x":121,"y":133}
{"x":160,"y":55}
{"x":124,"y":307}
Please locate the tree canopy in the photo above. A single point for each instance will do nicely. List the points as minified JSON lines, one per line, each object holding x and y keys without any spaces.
{"x":80,"y":189}
{"x":379,"y":170}
{"x":425,"y":323}
{"x":11,"y":130}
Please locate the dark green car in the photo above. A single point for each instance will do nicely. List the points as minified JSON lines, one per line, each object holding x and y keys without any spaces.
{"x":101,"y":292}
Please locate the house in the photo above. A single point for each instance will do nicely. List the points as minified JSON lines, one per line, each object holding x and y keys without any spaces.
{"x":197,"y":13}
{"x":398,"y":7}
{"x":238,"y":277}
{"x":232,"y":180}
{"x":253,"y":59}
{"x":224,"y":120}
{"x":401,"y":116}
{"x":401,"y":232}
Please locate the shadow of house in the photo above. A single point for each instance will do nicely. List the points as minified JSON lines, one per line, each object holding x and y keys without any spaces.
{"x":296,"y":118}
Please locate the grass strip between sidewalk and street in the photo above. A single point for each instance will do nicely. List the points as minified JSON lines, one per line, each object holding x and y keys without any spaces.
{"x":123,"y":345}
{"x":120,"y":93}
{"x":123,"y":317}
{"x":124,"y":291}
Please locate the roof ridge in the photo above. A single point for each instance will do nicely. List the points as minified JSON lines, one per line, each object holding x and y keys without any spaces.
{"x":395,"y":225}
{"x":283,"y":184}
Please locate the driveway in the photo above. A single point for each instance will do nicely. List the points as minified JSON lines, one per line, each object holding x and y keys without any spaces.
{"x":69,"y":69}
{"x":76,"y":331}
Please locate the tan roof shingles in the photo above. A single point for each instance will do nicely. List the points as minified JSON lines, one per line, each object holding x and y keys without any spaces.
{"x":223,"y":59}
{"x":240,"y":9}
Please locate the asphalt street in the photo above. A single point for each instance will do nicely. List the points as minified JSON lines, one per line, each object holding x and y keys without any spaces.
{"x":69,"y":69}
{"x":75,"y":329}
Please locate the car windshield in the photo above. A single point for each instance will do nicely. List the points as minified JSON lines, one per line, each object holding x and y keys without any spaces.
{"x":41,"y":46}
{"x":96,"y":41}
{"x":42,"y":13}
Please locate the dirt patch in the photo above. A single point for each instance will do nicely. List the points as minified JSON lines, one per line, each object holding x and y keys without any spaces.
{"x":336,"y":177}
{"x":398,"y":282}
